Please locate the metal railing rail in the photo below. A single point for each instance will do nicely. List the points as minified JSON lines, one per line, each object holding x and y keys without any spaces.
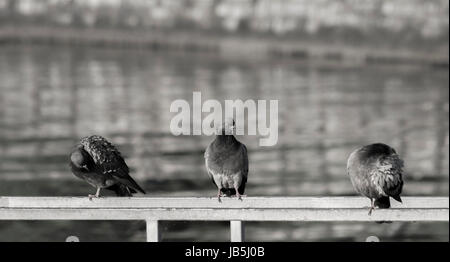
{"x":155,"y":209}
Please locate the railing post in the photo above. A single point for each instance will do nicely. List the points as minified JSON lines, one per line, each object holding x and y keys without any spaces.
{"x":237,"y":231}
{"x":153,"y":232}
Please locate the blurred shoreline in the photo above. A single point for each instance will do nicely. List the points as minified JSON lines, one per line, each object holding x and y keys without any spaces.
{"x":386,"y":32}
{"x":241,"y":46}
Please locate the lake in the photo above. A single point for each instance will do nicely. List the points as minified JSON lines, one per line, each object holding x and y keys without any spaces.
{"x":50,"y":96}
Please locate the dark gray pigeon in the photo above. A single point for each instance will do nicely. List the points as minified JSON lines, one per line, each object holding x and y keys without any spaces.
{"x":227,"y":162}
{"x":98,"y":162}
{"x":376,"y":172}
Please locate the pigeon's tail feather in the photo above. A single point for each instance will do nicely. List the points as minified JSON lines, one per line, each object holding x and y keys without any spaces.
{"x":383,"y":222}
{"x":130,"y":183}
{"x":122,"y":190}
{"x":397,"y":197}
{"x":228,"y":191}
{"x":231,"y":191}
{"x":241,"y":189}
{"x":383,"y":202}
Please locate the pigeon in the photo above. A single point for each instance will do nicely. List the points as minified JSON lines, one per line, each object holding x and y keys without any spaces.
{"x":226,"y":161}
{"x":95,"y":160}
{"x":376,"y":172}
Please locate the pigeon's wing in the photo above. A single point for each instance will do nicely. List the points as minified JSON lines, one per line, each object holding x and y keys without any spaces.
{"x":359,"y":174}
{"x":211,"y":176}
{"x":244,"y":172}
{"x":120,"y":171}
{"x":245,"y":161}
{"x":209,"y":170}
{"x":108,"y":160}
{"x":392,"y":168}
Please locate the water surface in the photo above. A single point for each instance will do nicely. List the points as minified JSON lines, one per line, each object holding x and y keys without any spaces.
{"x":51,"y":96}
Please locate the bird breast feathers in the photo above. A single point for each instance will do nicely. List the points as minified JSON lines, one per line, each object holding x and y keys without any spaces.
{"x":227,"y":163}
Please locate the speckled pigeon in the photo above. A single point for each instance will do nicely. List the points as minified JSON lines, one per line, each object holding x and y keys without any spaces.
{"x":376,"y":172}
{"x":98,"y":162}
{"x":227,"y":162}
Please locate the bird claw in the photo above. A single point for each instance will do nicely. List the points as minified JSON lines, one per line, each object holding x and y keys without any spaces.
{"x":370,"y":211}
{"x":92,"y":196}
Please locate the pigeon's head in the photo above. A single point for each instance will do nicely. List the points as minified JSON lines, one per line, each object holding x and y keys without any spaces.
{"x":228,"y":126}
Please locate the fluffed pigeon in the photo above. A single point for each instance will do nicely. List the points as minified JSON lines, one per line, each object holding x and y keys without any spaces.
{"x":376,"y":172}
{"x":95,"y":160}
{"x":227,"y":162}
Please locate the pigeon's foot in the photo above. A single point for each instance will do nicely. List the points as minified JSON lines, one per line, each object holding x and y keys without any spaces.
{"x":92,"y":196}
{"x":219,"y":195}
{"x":238,"y":196}
{"x":372,"y":207}
{"x":97,"y":194}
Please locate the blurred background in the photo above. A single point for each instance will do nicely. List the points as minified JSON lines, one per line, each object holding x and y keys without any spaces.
{"x":346,"y":73}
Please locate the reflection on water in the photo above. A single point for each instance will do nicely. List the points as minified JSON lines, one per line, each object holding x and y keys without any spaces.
{"x":52,"y":96}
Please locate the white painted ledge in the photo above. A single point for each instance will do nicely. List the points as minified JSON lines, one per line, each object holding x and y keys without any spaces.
{"x":230,"y":209}
{"x":155,"y":209}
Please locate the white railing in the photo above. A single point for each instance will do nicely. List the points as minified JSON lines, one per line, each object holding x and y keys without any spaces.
{"x":155,"y":209}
